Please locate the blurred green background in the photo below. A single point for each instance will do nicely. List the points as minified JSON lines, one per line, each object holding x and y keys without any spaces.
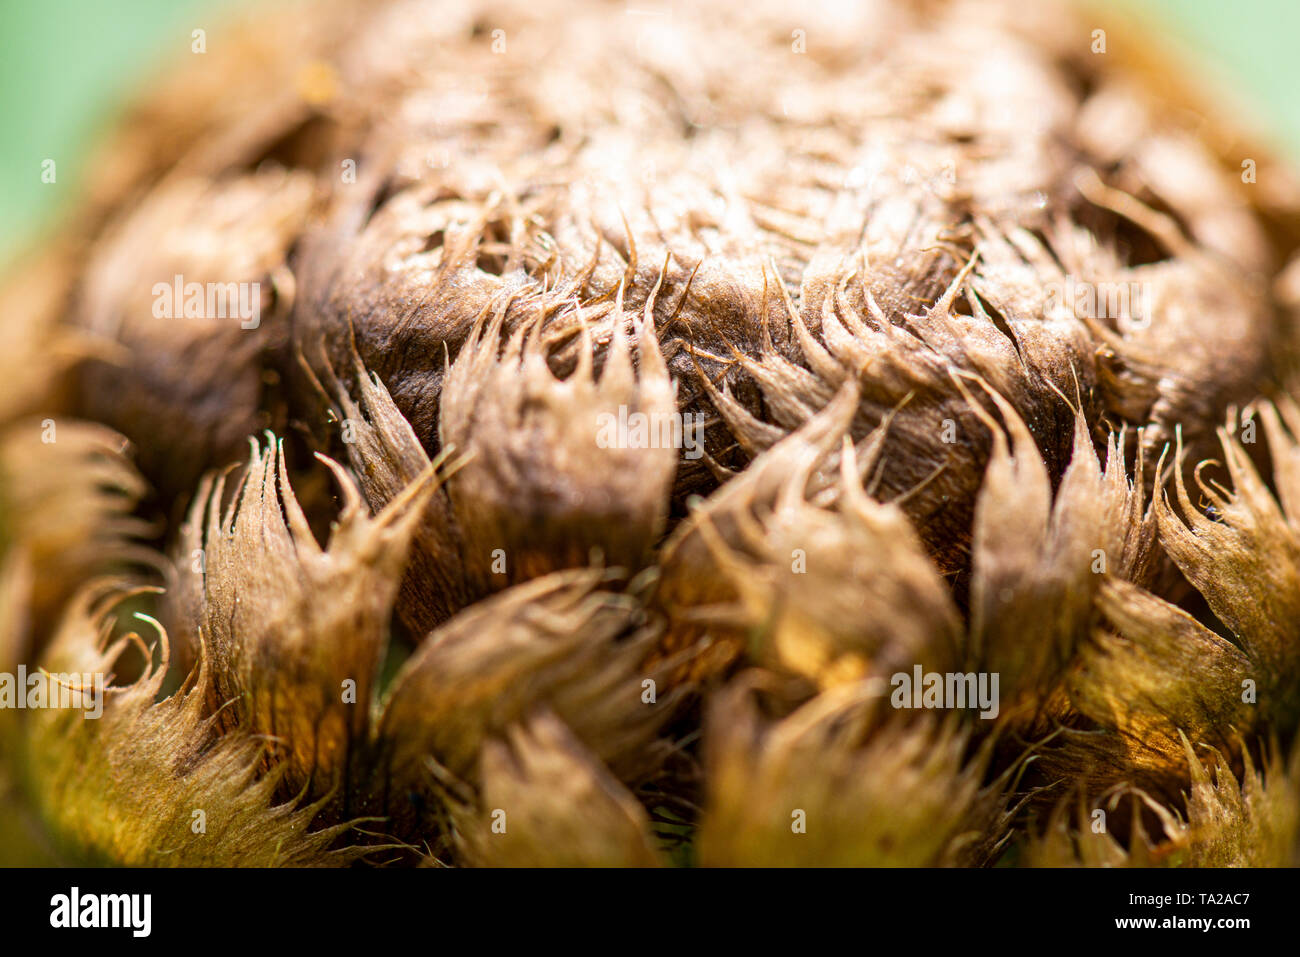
{"x":66,"y":66}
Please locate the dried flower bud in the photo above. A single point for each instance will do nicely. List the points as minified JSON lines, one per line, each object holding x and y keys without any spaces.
{"x":595,"y":448}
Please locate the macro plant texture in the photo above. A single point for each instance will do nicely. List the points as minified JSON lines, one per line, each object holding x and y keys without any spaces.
{"x":562,"y":433}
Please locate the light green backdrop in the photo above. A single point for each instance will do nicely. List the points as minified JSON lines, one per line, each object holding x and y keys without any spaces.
{"x":67,"y":65}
